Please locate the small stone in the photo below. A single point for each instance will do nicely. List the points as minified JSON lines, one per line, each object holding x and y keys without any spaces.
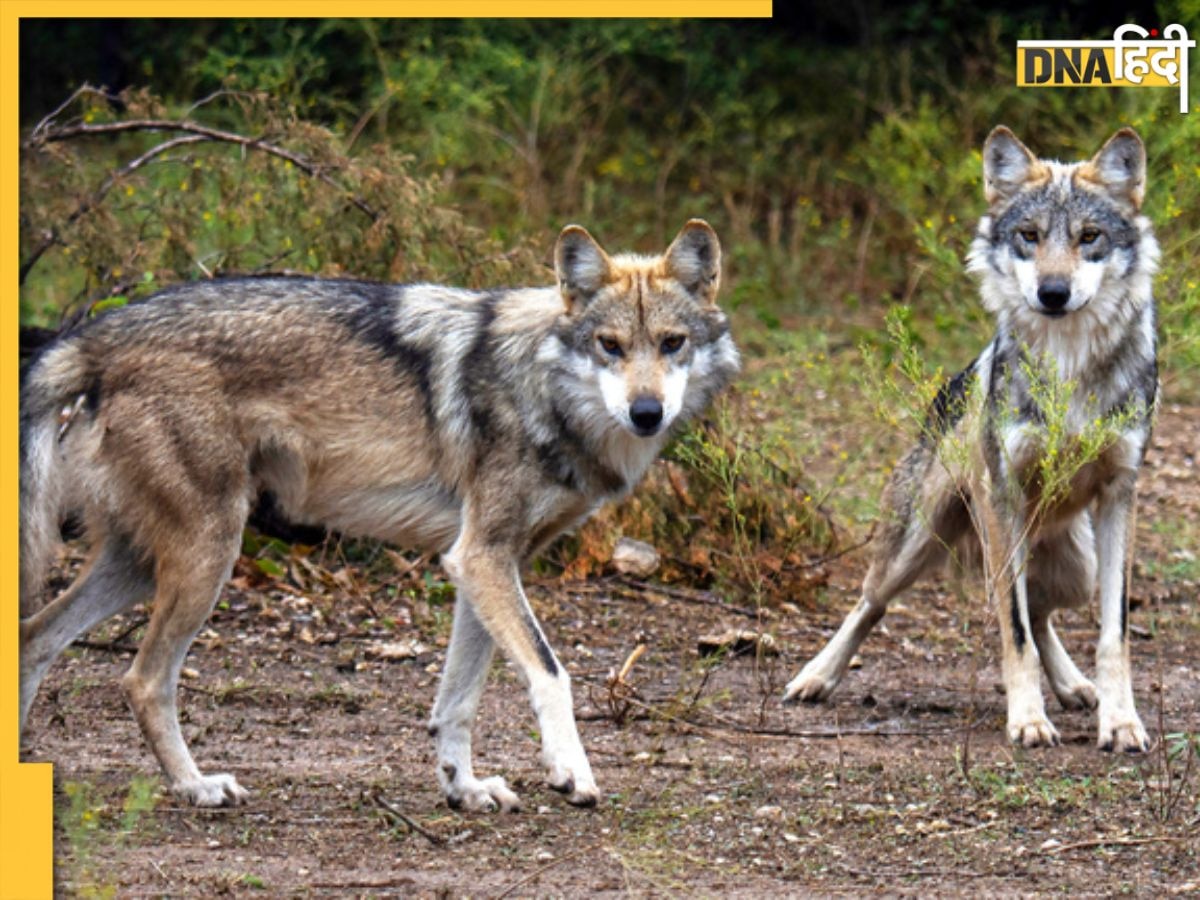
{"x":771,"y":813}
{"x":635,"y":558}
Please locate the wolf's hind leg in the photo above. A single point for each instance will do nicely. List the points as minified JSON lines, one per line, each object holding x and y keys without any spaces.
{"x":189,"y":581}
{"x":901,"y":558}
{"x":1070,"y":686}
{"x":1062,"y":573}
{"x":116,"y":578}
{"x":467,"y":662}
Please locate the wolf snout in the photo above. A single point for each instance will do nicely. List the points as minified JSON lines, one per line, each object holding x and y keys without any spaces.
{"x":646,"y":413}
{"x":1054,"y":294}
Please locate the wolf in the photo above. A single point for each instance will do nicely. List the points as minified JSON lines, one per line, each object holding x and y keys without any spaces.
{"x":476,"y":424}
{"x":1065,"y":262}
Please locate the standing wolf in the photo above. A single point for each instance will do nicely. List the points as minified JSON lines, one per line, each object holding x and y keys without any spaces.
{"x":1065,"y":262}
{"x":480,"y":425}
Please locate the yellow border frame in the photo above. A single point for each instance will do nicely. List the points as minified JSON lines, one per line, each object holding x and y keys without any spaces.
{"x":26,"y":790}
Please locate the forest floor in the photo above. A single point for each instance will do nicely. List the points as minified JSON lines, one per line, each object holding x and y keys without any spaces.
{"x":903,"y":782}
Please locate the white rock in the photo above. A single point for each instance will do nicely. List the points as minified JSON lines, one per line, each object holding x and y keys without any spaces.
{"x":632,"y":557}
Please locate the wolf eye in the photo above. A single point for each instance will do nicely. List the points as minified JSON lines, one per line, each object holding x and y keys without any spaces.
{"x":1089,"y":235}
{"x":1030,"y":235}
{"x":611,"y":346}
{"x":673,"y":344}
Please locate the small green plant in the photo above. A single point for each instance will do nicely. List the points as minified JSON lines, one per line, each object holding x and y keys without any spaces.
{"x":1072,"y":434}
{"x":93,"y":829}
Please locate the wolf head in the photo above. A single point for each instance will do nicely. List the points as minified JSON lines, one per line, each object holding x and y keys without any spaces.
{"x":644,"y":339}
{"x":1061,"y":238}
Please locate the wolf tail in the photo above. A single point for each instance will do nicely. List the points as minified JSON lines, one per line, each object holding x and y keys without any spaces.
{"x":54,"y":388}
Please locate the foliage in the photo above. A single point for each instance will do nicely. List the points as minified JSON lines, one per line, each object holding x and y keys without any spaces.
{"x":145,"y":209}
{"x":93,"y":828}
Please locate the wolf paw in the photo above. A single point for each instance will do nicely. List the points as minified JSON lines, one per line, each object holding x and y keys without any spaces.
{"x":487,"y":795}
{"x":1125,"y":737}
{"x":808,"y":688}
{"x":579,"y":790}
{"x":1078,"y":696}
{"x":1035,"y":732}
{"x":211,"y":790}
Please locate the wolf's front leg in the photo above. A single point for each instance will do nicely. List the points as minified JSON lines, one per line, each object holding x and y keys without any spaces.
{"x":1006,"y":555}
{"x":1120,"y":726}
{"x":486,"y":574}
{"x":467,"y":662}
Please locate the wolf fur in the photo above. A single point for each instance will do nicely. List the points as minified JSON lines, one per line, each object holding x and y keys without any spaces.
{"x":476,"y":424}
{"x":1065,"y":263}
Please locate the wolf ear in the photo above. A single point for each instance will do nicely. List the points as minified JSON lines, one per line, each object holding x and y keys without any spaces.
{"x":1007,"y":165}
{"x":1120,"y":168}
{"x":694,"y":260}
{"x":581,"y":264}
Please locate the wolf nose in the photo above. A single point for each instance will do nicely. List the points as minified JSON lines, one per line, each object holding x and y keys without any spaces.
{"x":646,"y":413}
{"x":1054,"y":293}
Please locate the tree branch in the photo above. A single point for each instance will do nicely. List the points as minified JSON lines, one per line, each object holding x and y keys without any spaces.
{"x":46,"y":133}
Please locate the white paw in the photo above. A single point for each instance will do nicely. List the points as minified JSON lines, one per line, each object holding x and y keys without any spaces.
{"x":211,"y":790}
{"x":486,"y":795}
{"x":1126,"y":736}
{"x":1033,"y":731}
{"x":576,"y":783}
{"x":1078,"y":696}
{"x":809,"y":687}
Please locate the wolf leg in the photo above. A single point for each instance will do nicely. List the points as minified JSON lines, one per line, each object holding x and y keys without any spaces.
{"x":189,"y":582}
{"x":485,"y":572}
{"x":897,"y":564}
{"x":116,"y":579}
{"x":1121,"y":728}
{"x":1005,"y":553}
{"x":1070,"y":686}
{"x":1062,"y":573}
{"x":467,"y":662}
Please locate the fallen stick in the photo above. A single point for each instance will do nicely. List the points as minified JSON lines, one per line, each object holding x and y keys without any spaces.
{"x":397,"y":815}
{"x":1121,"y":842}
{"x":537,"y":873}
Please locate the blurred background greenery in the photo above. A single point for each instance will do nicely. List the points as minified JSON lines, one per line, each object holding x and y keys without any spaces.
{"x":835,"y":150}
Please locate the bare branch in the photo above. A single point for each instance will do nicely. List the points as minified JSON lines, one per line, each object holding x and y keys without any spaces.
{"x":105,"y":186}
{"x":46,"y":133}
{"x":303,"y":163}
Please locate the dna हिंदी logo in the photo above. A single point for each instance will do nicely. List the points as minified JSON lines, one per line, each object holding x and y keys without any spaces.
{"x":1134,"y":57}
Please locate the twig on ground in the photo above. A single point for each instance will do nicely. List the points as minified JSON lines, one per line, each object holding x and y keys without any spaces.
{"x":537,"y":873}
{"x":719,"y":723}
{"x":1121,"y":842}
{"x":391,"y":812}
{"x":114,"y":645}
{"x":704,"y":598}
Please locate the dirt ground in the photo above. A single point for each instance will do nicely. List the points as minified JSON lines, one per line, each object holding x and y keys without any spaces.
{"x":903,"y":783}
